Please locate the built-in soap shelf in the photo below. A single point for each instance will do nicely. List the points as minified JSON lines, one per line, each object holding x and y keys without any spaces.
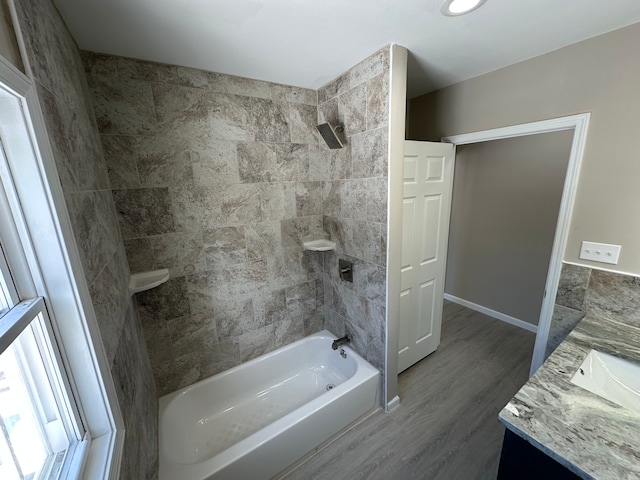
{"x":139,"y":282}
{"x":319,"y":245}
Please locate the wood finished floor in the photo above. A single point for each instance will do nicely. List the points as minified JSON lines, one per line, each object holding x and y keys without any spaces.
{"x":446,"y":427}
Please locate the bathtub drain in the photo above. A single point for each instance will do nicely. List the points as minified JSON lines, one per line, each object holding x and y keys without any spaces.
{"x":330,"y":386}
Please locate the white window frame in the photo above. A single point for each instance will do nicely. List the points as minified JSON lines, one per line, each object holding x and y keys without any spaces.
{"x":51,"y":268}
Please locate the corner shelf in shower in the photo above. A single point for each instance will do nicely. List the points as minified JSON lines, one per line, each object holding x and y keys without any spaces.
{"x":319,"y":245}
{"x":139,"y":282}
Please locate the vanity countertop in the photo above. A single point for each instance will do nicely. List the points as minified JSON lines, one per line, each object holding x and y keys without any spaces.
{"x":589,"y":435}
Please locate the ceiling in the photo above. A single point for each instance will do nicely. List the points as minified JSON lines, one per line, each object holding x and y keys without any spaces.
{"x":308,"y":43}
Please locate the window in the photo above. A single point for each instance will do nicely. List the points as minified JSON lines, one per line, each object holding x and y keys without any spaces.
{"x":59,"y":415}
{"x":38,"y":418}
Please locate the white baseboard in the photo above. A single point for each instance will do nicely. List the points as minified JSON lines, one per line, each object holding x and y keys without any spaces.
{"x":393,"y":404}
{"x":492,"y":313}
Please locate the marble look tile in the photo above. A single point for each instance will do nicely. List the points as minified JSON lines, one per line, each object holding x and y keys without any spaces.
{"x":269,"y":307}
{"x":163,"y":161}
{"x":233,"y":318}
{"x":301,"y":298}
{"x":336,"y":231}
{"x":372,"y":66}
{"x":270,"y":121}
{"x":187,"y":208}
{"x":334,"y":322}
{"x":257,"y":342}
{"x":287,"y":93}
{"x":278,"y":201}
{"x":76,"y":145}
{"x":138,"y":402}
{"x":247,"y":87}
{"x":304,"y":120}
{"x":572,"y":287}
{"x":256,"y":162}
{"x":182,"y":111}
{"x":366,"y":242}
{"x":334,"y":88}
{"x":349,"y":305}
{"x":563,"y":322}
{"x":378,"y":101}
{"x":224,"y":246}
{"x":144,"y":211}
{"x":332,"y":198}
{"x":164,"y":302}
{"x":99,"y":64}
{"x":244,"y":280}
{"x":352,"y":107}
{"x":193,"y":334}
{"x":353,"y":199}
{"x":158,"y":342}
{"x":230,"y":205}
{"x":146,"y":71}
{"x":95,"y":229}
{"x":232,"y":117}
{"x":319,"y":285}
{"x":216,"y":289}
{"x":223,"y":356}
{"x":341,"y":163}
{"x":123,"y":107}
{"x":290,"y":159}
{"x":192,"y":77}
{"x":359,"y":337}
{"x":263,"y":239}
{"x":213,"y":162}
{"x":110,"y":298}
{"x":288,"y":331}
{"x":52,"y":52}
{"x":377,"y":193}
{"x":317,"y":168}
{"x":120,"y":157}
{"x":614,"y":296}
{"x":139,"y":255}
{"x":308,"y":198}
{"x":313,"y":322}
{"x":181,"y":253}
{"x":369,"y":151}
{"x":292,"y":267}
{"x":295,"y":231}
{"x":369,"y":279}
{"x":330,"y":112}
{"x":178,"y":373}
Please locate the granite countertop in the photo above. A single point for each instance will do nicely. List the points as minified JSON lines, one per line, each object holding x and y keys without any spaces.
{"x":589,"y":435}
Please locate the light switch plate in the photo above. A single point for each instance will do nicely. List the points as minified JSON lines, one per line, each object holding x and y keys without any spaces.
{"x":600,"y":252}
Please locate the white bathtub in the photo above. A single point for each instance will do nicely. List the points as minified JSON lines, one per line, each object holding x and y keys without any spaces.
{"x":254,"y":420}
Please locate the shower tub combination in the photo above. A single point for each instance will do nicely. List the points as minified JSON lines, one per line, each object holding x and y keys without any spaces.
{"x":256,"y":419}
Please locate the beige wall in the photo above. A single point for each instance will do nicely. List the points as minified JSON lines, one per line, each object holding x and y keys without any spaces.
{"x":8,"y":43}
{"x":506,"y":198}
{"x":601,"y":76}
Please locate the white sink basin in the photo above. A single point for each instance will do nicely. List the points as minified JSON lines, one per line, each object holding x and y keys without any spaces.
{"x":610,"y":377}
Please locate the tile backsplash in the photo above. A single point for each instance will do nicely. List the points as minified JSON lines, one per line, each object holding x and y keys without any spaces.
{"x":585,"y":290}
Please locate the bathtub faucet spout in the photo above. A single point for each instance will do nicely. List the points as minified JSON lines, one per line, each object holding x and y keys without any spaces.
{"x":341,"y":341}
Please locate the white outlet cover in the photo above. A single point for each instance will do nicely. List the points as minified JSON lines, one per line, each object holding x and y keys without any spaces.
{"x":600,"y":252}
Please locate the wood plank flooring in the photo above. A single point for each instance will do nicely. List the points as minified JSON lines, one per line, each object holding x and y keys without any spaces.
{"x":446,"y":427}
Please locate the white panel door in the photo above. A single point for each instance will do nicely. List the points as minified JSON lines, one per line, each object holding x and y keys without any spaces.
{"x":428,"y":184}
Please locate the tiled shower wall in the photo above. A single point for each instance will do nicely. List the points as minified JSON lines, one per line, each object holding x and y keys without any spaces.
{"x":65,"y":101}
{"x":219,"y":179}
{"x":355,"y":204}
{"x":584,"y":290}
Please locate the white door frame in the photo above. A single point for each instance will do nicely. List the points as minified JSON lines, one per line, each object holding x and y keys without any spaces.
{"x":578,"y":123}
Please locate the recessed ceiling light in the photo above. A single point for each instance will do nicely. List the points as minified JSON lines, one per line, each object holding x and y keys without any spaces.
{"x":453,"y":8}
